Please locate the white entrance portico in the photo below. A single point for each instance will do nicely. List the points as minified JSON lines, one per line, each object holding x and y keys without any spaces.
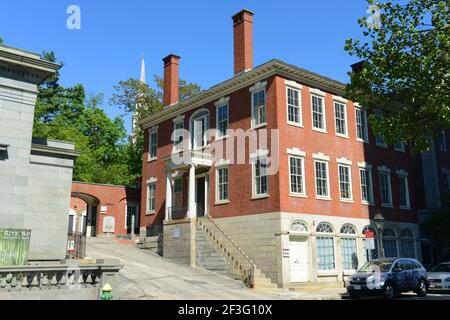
{"x":195,"y":165}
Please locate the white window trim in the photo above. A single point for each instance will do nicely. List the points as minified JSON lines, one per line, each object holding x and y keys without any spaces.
{"x":178,"y":121}
{"x":321,"y":156}
{"x":348,"y":236}
{"x":314,"y":92}
{"x":303,"y":182}
{"x":219,"y":104}
{"x":191,"y":130}
{"x":328,"y":197}
{"x":297,"y":87}
{"x":179,"y":118}
{"x":331,"y":271}
{"x":150,"y":182}
{"x":296,"y":152}
{"x":404,"y":175}
{"x":366,"y":130}
{"x":257,"y":87}
{"x":387,"y":171}
{"x":340,"y":99}
{"x":345,"y":118}
{"x":260,"y":153}
{"x":225,"y":201}
{"x":349,"y":166}
{"x":344,"y":161}
{"x":368,"y":168}
{"x":254,"y":195}
{"x":152,"y":131}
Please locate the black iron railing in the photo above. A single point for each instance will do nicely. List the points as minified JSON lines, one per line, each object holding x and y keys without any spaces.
{"x":76,"y":245}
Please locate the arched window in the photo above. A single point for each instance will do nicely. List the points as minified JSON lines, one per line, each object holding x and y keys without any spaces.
{"x":325,"y":247}
{"x":348,"y":247}
{"x":407,"y":244}
{"x":324,"y":227}
{"x":389,"y":243}
{"x":299,"y":227}
{"x":199,"y":125}
{"x":348,"y":229}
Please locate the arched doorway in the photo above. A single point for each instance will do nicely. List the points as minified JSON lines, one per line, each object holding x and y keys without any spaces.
{"x":92,"y":207}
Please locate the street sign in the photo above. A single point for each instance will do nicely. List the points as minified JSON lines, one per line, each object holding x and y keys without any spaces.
{"x":369,"y":234}
{"x":370,"y":244}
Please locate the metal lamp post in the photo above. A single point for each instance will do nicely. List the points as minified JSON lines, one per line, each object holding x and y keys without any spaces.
{"x":379,"y":219}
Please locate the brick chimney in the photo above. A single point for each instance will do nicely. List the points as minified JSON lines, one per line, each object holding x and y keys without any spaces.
{"x":243,"y":41}
{"x":171,"y":66}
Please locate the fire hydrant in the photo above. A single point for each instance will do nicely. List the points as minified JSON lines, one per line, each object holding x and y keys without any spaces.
{"x":106,"y":292}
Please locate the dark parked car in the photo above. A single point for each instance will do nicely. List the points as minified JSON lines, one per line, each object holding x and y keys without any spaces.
{"x":389,"y":277}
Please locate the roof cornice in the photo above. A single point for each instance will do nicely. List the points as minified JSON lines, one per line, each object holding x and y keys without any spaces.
{"x":269,"y":69}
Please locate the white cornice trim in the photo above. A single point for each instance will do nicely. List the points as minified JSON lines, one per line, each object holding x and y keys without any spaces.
{"x":258,"y":86}
{"x":384,"y":169}
{"x":296,"y":152}
{"x":152,"y":180}
{"x":321,"y":156}
{"x":259,"y":153}
{"x":364,"y":165}
{"x":340,"y":99}
{"x":260,"y":73}
{"x":293,"y":84}
{"x":344,"y":161}
{"x":401,"y":173}
{"x":317,"y":92}
{"x":222,"y":163}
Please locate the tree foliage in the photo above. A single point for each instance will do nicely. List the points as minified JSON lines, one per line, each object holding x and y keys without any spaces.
{"x":405,"y":70}
{"x":437,"y":226}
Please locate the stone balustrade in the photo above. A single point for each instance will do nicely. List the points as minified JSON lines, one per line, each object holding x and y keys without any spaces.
{"x":69,"y":275}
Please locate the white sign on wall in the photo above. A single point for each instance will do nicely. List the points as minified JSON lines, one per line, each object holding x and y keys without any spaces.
{"x":370,"y":243}
{"x":109,"y":224}
{"x":176,"y":233}
{"x":104,"y":209}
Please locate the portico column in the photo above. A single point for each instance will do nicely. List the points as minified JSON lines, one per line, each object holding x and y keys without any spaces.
{"x":192,"y":209}
{"x":168,"y":194}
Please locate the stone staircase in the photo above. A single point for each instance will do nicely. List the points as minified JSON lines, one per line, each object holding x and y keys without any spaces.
{"x":215,"y":251}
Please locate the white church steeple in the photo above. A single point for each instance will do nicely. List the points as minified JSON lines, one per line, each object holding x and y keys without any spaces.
{"x":143,"y":80}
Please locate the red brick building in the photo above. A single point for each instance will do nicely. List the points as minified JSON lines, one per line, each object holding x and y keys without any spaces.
{"x":298,"y":205}
{"x":97,"y":209}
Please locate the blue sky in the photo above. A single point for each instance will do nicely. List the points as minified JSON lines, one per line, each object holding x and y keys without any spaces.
{"x":114,"y":34}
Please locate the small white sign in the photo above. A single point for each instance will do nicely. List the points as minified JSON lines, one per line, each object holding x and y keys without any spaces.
{"x":370,"y":244}
{"x":176,"y":233}
{"x":104,"y":209}
{"x":109,"y":225}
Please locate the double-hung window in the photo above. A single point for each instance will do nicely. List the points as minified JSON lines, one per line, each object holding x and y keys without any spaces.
{"x":345,"y":183}
{"x":199,"y":129}
{"x":366,"y":185}
{"x":178,"y":136}
{"x":403,"y":190}
{"x":318,"y":112}
{"x":322,"y":185}
{"x":222,"y":185}
{"x":325,"y":247}
{"x":153,"y":143}
{"x":349,"y":250}
{"x":259,"y":107}
{"x":222,"y":120}
{"x":361,"y":125}
{"x":340,"y":114}
{"x":151,"y":198}
{"x":294,"y":106}
{"x":385,"y":188}
{"x":261,"y":180}
{"x":296,"y":175}
{"x":177,"y":201}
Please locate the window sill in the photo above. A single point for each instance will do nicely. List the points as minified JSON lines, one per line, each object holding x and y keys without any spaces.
{"x":362,"y":141}
{"x":296,"y":195}
{"x":400,"y":150}
{"x":384,"y":146}
{"x":347,"y":200}
{"x":387,"y":206}
{"x":259,"y":197}
{"x":152,"y":159}
{"x":320,"y":130}
{"x":222,"y":202}
{"x":295,"y":124}
{"x":152,"y":213}
{"x":259,"y":126}
{"x":327,"y":273}
{"x":323,"y":198}
{"x":405,"y":208}
{"x":342,"y":136}
{"x":366,"y":203}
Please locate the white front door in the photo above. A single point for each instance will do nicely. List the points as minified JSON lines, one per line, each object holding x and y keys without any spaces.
{"x":298,"y":252}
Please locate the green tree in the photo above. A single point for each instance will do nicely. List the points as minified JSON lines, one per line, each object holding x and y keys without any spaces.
{"x":405,"y":70}
{"x":1,"y":40}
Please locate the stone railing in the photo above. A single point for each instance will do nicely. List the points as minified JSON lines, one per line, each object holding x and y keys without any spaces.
{"x":72,"y":274}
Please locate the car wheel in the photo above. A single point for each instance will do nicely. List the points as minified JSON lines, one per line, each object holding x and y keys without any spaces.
{"x":389,"y":291}
{"x":422,"y":289}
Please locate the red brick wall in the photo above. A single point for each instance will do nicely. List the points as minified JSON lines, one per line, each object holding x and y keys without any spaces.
{"x":113,"y":197}
{"x":240,"y":182}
